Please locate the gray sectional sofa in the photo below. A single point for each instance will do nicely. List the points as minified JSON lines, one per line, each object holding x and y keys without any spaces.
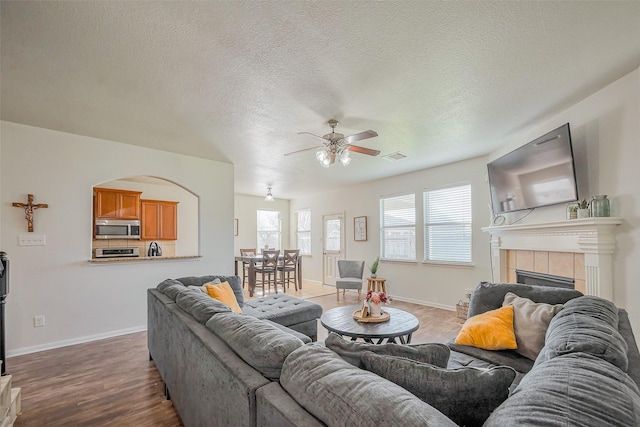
{"x":226,"y":369}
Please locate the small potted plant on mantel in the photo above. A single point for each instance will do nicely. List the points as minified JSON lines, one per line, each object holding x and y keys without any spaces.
{"x":374,"y":267}
{"x":583,"y":209}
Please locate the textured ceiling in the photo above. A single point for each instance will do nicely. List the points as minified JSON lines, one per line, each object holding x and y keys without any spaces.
{"x":236,"y":81}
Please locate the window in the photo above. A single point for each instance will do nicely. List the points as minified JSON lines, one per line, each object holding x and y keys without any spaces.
{"x":398,"y":227}
{"x":303,"y":231}
{"x":268,"y":229}
{"x":447,"y":224}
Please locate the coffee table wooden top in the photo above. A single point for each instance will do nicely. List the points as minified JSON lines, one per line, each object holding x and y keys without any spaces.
{"x":401,"y":325}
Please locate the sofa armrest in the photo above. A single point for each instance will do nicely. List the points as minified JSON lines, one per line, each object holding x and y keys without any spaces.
{"x":624,"y":327}
{"x":275,"y":408}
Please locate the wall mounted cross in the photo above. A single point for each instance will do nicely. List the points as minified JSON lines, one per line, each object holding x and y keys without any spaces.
{"x":29,"y":207}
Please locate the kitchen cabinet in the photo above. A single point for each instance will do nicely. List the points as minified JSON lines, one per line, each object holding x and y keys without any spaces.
{"x":159,"y":220}
{"x":116,"y":204}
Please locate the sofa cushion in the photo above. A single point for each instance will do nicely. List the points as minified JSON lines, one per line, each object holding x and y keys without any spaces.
{"x":199,"y":305}
{"x":465,"y":395}
{"x":302,"y":337}
{"x":594,"y":307}
{"x":171,"y":288}
{"x":571,"y":390}
{"x":495,"y":357}
{"x":234,"y":281}
{"x":261,"y":345}
{"x":339,"y":394}
{"x":283,"y":309}
{"x":579,"y":333}
{"x":530,"y":323}
{"x":492,"y":330}
{"x":223,"y":293}
{"x":351,"y":351}
{"x":489,"y":296}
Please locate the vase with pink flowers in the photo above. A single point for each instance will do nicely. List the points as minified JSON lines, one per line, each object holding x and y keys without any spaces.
{"x":375,"y":301}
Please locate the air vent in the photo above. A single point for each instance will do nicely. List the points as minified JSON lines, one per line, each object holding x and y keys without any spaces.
{"x":394,"y":156}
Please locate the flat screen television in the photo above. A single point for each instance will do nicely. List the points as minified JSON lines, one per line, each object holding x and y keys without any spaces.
{"x":540,"y":173}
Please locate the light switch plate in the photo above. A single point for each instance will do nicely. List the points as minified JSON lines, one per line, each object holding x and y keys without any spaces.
{"x":32,"y":240}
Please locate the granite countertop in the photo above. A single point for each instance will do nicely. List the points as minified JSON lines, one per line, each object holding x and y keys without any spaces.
{"x":142,"y":258}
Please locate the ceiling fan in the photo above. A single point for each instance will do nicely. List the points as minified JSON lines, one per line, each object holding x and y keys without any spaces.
{"x":336,"y":145}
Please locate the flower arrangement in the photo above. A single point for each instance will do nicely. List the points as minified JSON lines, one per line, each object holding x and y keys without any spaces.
{"x":377,"y":298}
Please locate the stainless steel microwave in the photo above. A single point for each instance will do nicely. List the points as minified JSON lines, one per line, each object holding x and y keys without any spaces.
{"x":117,"y":229}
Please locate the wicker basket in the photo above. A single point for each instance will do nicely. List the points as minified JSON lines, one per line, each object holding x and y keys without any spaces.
{"x":462,"y":308}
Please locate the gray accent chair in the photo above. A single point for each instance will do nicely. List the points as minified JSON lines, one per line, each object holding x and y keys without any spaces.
{"x":351,"y":273}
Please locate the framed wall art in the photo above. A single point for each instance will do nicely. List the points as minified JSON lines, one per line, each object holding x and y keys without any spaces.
{"x":360,"y":228}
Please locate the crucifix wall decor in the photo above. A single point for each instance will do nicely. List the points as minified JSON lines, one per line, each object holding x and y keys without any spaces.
{"x":29,"y":207}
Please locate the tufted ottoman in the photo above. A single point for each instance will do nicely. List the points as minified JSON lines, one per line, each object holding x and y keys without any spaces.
{"x":294,"y":313}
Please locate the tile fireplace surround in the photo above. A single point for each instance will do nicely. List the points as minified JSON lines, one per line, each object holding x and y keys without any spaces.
{"x":578,"y":248}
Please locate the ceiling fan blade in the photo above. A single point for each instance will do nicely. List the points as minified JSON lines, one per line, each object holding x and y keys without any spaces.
{"x":309,"y":133}
{"x":363,"y":150}
{"x":360,"y":136}
{"x":305,"y":149}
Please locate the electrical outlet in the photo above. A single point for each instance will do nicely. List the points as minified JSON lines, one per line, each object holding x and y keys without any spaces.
{"x":38,"y":321}
{"x":32,"y":240}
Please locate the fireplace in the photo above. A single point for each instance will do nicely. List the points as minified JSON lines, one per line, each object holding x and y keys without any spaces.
{"x":589,"y":242}
{"x":543,"y":279}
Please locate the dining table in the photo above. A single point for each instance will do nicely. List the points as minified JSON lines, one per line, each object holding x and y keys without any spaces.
{"x":252,"y":260}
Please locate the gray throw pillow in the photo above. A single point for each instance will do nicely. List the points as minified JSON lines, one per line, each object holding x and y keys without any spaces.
{"x":261,"y":345}
{"x":203,"y":288}
{"x":351,"y":351}
{"x":466,"y":395}
{"x":530,"y":323}
{"x":339,"y":394}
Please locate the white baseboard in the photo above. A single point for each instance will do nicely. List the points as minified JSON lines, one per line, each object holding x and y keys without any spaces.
{"x":427,"y":303}
{"x":79,"y":340}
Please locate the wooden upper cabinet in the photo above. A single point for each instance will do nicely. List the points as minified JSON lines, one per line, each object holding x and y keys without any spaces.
{"x":116,"y":204}
{"x":159,"y":220}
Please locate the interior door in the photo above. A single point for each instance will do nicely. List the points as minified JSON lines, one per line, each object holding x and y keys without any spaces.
{"x":333,"y":243}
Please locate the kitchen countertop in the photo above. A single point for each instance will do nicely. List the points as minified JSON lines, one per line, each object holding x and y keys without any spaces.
{"x":142,"y":258}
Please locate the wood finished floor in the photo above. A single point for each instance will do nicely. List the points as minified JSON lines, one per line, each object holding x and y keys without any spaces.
{"x":111,"y":382}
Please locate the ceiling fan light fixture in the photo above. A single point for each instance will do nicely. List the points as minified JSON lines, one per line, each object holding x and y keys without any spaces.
{"x":269,"y":197}
{"x":345,"y":159}
{"x":321,"y":155}
{"x":325,"y":162}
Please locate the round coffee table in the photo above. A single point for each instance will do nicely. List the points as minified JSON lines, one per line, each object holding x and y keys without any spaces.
{"x":401,"y":325}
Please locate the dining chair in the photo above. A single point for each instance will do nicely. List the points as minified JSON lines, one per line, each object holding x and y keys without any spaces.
{"x":267,"y":270}
{"x":245,"y":264}
{"x":289,"y":268}
{"x":350,"y":273}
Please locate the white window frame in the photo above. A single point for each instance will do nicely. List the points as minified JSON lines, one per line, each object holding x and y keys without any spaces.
{"x":448,"y":236}
{"x":259,"y":230}
{"x":409,"y":226}
{"x":302,"y":231}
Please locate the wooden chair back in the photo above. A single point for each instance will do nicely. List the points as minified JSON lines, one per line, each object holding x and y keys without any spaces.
{"x":270,"y":259}
{"x":290,"y":258}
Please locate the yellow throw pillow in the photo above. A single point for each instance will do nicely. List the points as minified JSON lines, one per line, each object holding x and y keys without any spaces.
{"x":492,"y":330}
{"x":223,"y":293}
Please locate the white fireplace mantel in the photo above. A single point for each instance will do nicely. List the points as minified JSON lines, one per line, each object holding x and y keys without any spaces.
{"x":593,"y":237}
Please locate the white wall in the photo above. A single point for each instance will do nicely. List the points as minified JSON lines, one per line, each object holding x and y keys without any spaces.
{"x":80,"y":300}
{"x":187,"y":243}
{"x":605,"y":130}
{"x":436,"y":285}
{"x":245,"y":207}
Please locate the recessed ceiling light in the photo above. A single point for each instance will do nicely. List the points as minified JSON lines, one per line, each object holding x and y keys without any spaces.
{"x":394,"y":156}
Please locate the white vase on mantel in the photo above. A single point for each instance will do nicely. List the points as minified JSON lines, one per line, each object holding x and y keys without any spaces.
{"x":375,"y":309}
{"x":583,"y":213}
